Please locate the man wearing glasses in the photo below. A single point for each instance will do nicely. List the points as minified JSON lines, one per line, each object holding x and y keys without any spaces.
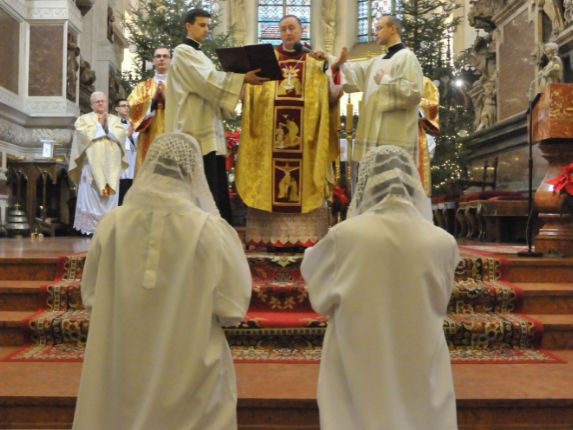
{"x":147,"y":104}
{"x":96,"y":162}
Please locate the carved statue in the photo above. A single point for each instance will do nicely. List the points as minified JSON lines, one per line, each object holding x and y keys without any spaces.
{"x":87,"y":75}
{"x":483,"y":91}
{"x":553,"y":70}
{"x":110,"y":21}
{"x":568,"y":11}
{"x":72,"y":67}
{"x":238,"y":20}
{"x":488,"y":112}
{"x":328,"y":23}
{"x":482,"y":11}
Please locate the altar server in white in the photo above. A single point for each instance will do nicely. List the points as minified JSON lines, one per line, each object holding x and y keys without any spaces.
{"x":384,"y":278}
{"x":198,"y":98}
{"x":96,"y":161}
{"x":163,"y":274}
{"x":393,"y":88}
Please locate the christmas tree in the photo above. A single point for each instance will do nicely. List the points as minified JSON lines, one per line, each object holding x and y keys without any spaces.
{"x":427,"y":29}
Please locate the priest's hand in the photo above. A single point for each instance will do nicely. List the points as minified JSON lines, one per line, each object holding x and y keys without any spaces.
{"x":378,"y":76}
{"x":252,"y":78}
{"x":103,"y":121}
{"x":318,"y":55}
{"x":340,"y":60}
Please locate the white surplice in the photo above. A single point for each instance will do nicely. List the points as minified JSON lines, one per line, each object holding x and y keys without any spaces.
{"x":389,"y":114}
{"x":163,"y":274}
{"x":384,"y":278}
{"x":97,"y":159}
{"x":198,"y":98}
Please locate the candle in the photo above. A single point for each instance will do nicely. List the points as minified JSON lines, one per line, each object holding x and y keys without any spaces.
{"x":349,"y":116}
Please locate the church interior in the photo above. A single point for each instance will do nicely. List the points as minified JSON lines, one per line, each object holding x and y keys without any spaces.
{"x":501,"y":183}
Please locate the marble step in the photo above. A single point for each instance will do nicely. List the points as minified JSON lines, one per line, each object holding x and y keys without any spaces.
{"x":27,"y":269}
{"x":538,"y":269}
{"x":546,"y":297}
{"x":283,"y":396}
{"x":21,"y":295}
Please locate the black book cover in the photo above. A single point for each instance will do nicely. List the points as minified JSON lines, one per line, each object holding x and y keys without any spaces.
{"x":249,"y":57}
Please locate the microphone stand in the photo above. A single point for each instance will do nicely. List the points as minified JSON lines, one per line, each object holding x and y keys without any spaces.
{"x":529,"y":225}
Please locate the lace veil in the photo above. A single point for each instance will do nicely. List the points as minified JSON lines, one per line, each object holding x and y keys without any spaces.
{"x":172,"y":175}
{"x":388,"y":171}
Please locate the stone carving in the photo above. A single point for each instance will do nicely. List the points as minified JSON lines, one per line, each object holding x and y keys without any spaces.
{"x":568,"y":11}
{"x":238,"y":20}
{"x":483,"y":92}
{"x":26,"y":137}
{"x":552,"y":9}
{"x":482,"y":11}
{"x":328,"y":23}
{"x":72,"y":67}
{"x":114,"y":88}
{"x":110,"y":21}
{"x":488,"y":108}
{"x":552,"y":72}
{"x":87,"y":76}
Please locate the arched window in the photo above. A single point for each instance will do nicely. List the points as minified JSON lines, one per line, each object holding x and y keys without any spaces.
{"x":270,"y":13}
{"x":368,"y":12}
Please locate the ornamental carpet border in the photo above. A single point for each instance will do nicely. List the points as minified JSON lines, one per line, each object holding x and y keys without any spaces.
{"x":294,"y":355}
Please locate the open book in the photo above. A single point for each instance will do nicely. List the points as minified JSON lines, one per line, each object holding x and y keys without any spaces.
{"x":249,"y":57}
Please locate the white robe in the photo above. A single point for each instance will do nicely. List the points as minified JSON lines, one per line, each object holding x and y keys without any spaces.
{"x":389,"y":114}
{"x":198,"y":98}
{"x":97,"y":158}
{"x":161,"y":284}
{"x":384,"y":278}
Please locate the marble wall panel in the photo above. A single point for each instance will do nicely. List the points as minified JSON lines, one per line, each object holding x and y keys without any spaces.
{"x":9,"y":52}
{"x":46,"y":60}
{"x":516,"y":65}
{"x":512,"y":168}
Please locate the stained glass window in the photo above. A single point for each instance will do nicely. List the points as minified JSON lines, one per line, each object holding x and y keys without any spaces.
{"x":368,"y":12}
{"x":270,"y":13}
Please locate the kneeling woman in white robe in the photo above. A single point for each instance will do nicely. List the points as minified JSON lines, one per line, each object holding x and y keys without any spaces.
{"x":164,"y":272}
{"x":384,"y":277}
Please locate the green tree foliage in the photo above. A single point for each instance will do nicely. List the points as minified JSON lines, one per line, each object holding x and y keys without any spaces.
{"x":157,"y":23}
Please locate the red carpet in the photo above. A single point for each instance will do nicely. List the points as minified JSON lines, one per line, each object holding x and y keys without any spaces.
{"x":483,"y":323}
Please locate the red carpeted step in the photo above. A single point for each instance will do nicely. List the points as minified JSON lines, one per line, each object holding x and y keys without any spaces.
{"x":255,"y":320}
{"x":280,"y":297}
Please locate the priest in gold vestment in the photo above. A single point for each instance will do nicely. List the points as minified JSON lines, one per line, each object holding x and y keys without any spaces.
{"x":96,"y":161}
{"x":428,"y":127}
{"x":147,"y":105}
{"x":286,"y":151}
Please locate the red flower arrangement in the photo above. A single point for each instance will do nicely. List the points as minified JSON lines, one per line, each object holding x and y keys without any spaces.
{"x":232,"y":138}
{"x":563,"y":182}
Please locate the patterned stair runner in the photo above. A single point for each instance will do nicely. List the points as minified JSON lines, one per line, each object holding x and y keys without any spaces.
{"x":281,"y":323}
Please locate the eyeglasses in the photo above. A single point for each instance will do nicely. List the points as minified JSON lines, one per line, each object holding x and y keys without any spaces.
{"x":162,"y":56}
{"x":123,"y":105}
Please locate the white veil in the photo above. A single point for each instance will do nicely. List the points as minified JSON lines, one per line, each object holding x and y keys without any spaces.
{"x":388,"y":171}
{"x":172,"y":175}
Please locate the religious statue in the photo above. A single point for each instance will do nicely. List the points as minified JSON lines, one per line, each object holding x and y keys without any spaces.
{"x":488,"y":113}
{"x":110,"y":20}
{"x":238,"y":20}
{"x":552,"y":72}
{"x":329,"y":22}
{"x":72,"y":67}
{"x":568,"y":11}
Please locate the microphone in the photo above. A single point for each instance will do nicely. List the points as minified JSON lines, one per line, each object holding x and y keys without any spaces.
{"x":299,"y":47}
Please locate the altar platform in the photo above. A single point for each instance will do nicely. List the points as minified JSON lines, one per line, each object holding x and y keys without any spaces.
{"x":41,"y":395}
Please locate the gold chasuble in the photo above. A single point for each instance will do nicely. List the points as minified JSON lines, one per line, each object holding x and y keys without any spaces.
{"x":428,"y":124}
{"x":146,"y":119}
{"x":284,"y":153}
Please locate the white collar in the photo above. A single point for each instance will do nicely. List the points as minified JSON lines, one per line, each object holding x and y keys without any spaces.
{"x":160,"y":77}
